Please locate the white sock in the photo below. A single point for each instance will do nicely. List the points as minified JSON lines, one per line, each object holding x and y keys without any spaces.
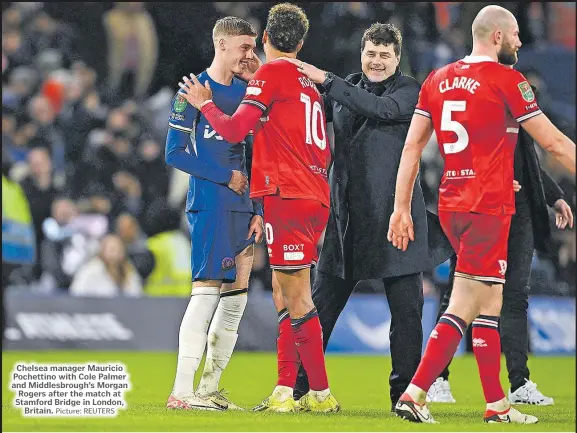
{"x":283,"y":392}
{"x":499,"y":406}
{"x":222,"y":337}
{"x":192,"y":337}
{"x":418,"y":395}
{"x":321,"y":395}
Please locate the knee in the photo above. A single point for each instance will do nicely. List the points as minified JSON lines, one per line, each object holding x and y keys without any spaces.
{"x":243,"y":262}
{"x":277,"y":296}
{"x":298,"y":302}
{"x":297,"y":299}
{"x":242,"y":278}
{"x":491,"y":305}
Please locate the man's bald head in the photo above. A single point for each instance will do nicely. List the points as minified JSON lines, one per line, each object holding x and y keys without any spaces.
{"x":496,"y":34}
{"x":491,"y":19}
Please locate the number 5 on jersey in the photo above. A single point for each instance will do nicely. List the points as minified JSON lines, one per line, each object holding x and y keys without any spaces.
{"x":448,"y":124}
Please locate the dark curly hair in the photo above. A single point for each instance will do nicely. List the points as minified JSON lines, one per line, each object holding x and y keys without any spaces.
{"x":286,"y":26}
{"x":383,"y":34}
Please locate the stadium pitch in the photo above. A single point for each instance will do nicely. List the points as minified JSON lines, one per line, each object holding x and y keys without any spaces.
{"x":360,"y":383}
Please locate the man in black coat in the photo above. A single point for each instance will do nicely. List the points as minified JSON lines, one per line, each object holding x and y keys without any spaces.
{"x":371,"y":111}
{"x":530,"y":229}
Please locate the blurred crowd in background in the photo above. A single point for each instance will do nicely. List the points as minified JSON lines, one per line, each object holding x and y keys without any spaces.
{"x":86,"y":93}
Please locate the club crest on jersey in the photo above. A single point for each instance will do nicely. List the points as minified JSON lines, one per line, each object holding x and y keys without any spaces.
{"x":227,"y":263}
{"x":503,"y":267}
{"x":179,"y":104}
{"x":526,"y":91}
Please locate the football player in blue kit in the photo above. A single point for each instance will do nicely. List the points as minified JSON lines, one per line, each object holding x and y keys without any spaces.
{"x":223,"y":221}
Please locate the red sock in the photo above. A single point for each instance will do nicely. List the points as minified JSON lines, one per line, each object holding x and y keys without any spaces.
{"x":487,"y":350}
{"x":309,"y":341}
{"x":287,"y":354}
{"x":441,"y":347}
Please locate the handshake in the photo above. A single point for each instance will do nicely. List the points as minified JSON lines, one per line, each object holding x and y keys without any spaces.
{"x":238,"y":182}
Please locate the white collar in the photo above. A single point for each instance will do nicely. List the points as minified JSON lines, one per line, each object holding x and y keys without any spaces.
{"x":477,"y":59}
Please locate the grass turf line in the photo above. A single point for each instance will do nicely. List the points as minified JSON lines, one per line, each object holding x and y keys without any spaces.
{"x":360,"y":384}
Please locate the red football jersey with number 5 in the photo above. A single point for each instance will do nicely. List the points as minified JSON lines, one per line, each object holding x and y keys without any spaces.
{"x":291,"y":151}
{"x":476,"y":105}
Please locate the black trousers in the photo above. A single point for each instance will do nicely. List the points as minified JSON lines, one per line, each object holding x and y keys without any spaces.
{"x":513,"y":327}
{"x":405,"y":298}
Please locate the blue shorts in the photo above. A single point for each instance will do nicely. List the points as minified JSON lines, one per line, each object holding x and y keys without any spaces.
{"x":217,"y":237}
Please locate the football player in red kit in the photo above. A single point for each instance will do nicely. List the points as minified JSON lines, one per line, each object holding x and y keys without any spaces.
{"x":290,"y":159}
{"x":475,"y":106}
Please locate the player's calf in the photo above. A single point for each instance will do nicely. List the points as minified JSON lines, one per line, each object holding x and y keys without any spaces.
{"x":223,"y":331}
{"x":305,"y":325}
{"x":445,"y":337}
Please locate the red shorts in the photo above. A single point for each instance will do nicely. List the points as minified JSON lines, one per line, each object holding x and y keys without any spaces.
{"x":480,"y":241}
{"x":293,"y":228}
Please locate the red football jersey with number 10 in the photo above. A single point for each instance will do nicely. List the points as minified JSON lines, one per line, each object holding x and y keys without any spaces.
{"x":291,"y":151}
{"x":476,"y":105}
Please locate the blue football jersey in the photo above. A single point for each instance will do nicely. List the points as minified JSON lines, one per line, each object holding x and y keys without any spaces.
{"x":193,"y":146}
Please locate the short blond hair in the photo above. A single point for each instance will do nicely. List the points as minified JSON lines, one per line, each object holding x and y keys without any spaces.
{"x":233,"y":26}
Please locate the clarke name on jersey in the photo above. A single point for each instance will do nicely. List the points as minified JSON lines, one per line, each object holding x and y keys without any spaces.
{"x":459,"y":83}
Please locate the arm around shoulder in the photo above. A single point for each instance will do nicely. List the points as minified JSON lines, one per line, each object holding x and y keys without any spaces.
{"x":398,"y":105}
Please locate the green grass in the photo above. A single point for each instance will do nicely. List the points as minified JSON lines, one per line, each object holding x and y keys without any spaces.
{"x":359,"y":383}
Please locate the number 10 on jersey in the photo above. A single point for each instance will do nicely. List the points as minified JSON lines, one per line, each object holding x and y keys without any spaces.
{"x":313,"y":117}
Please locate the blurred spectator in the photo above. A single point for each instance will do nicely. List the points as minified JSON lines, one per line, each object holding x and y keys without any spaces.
{"x":70,"y":239}
{"x":47,"y":130}
{"x":345,"y":22}
{"x":420,"y":36}
{"x":108,"y":274}
{"x":17,"y":143}
{"x":109,"y":167}
{"x":82,"y":112}
{"x":561,"y":23}
{"x":9,"y":128}
{"x":559,"y":119}
{"x":151,"y":170}
{"x":15,"y":48}
{"x":135,"y":241}
{"x":450,"y":48}
{"x":54,"y":88}
{"x":132,"y":50}
{"x":99,"y":201}
{"x":45,"y":33}
{"x":41,"y":191}
{"x":11,"y":18}
{"x":129,"y":190}
{"x":47,"y":62}
{"x":22,"y":82}
{"x":171,"y":249}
